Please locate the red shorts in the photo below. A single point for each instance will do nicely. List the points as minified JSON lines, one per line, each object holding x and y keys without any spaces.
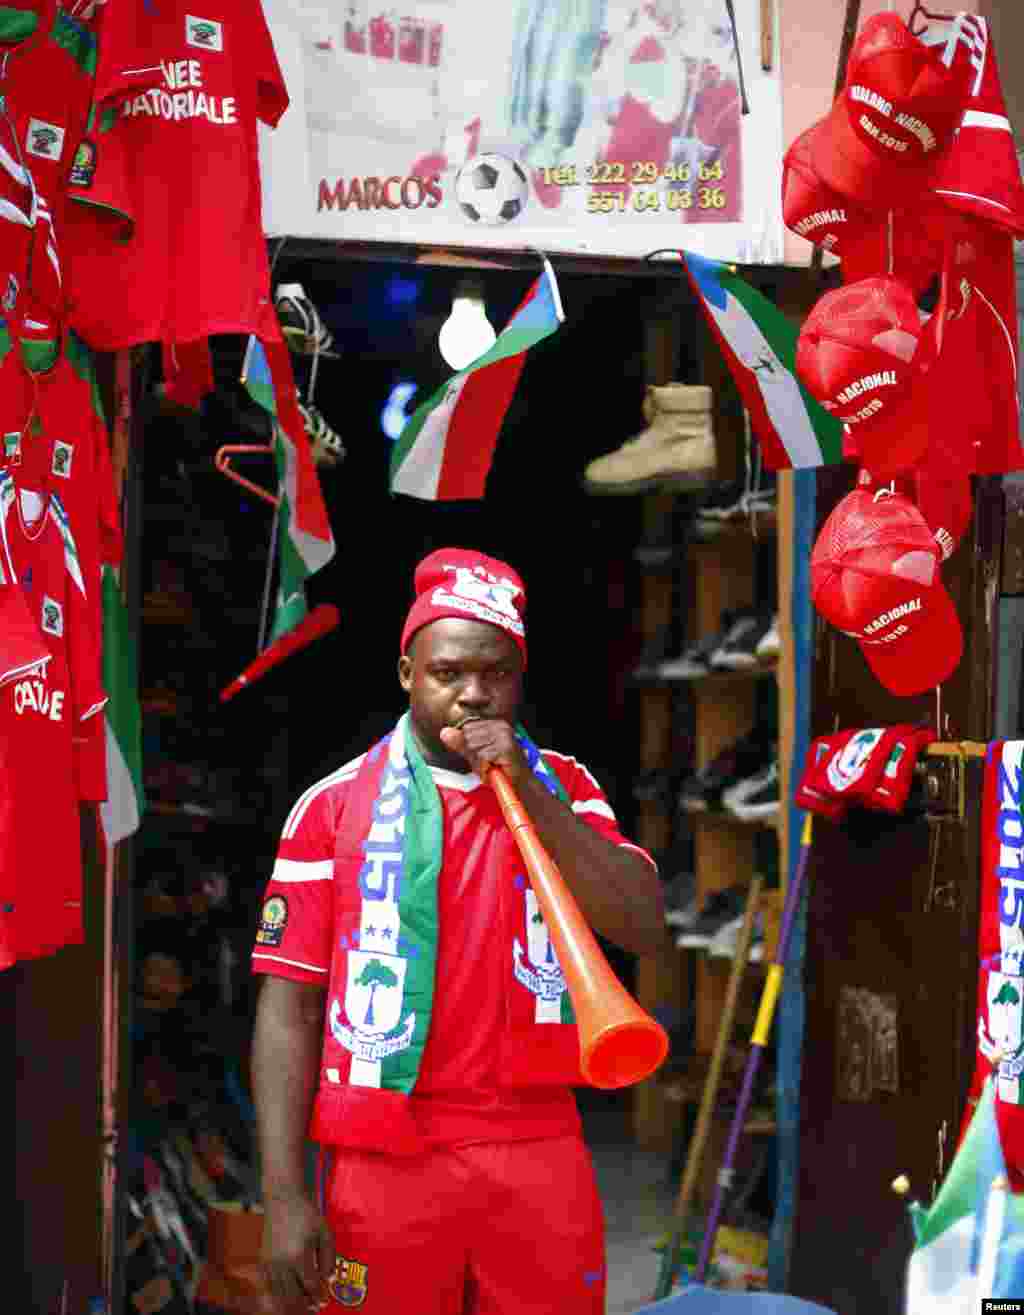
{"x":498,"y":1228}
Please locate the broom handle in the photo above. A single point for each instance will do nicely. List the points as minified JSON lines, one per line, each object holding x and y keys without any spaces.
{"x":710,"y":1092}
{"x":762,"y":1030}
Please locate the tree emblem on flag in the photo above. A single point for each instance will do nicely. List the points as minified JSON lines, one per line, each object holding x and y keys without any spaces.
{"x":374,"y":975}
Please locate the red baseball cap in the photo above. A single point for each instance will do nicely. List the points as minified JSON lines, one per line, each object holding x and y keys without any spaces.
{"x":862,"y":347}
{"x":894,"y":118}
{"x":941,"y":494}
{"x":462,"y":583}
{"x":875,"y":575}
{"x":811,"y":209}
{"x":907,"y":243}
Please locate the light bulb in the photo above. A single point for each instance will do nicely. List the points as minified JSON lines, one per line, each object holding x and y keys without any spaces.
{"x":467,"y":332}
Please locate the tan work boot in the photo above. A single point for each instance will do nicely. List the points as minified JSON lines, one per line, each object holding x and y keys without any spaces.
{"x":675,"y":452}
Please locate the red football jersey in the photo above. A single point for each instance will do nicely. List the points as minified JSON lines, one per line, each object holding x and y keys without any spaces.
{"x":458,"y":1094}
{"x":174,"y":145}
{"x":49,"y":406}
{"x":41,"y":905}
{"x":46,"y":75}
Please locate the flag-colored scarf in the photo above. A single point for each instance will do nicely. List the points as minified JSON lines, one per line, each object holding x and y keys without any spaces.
{"x":388,"y":858}
{"x":1001,"y":951}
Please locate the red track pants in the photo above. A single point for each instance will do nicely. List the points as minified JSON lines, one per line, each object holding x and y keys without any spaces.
{"x":509,"y":1228}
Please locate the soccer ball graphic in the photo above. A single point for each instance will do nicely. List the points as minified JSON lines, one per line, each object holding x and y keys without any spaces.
{"x":492,"y":189}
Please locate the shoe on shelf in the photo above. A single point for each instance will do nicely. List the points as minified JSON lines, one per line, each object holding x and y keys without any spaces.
{"x":328,"y":449}
{"x":738,"y":649}
{"x":660,"y":557}
{"x":739,"y":761}
{"x":695,"y":660}
{"x":755,"y":799}
{"x":304,"y":330}
{"x":769,"y":645}
{"x":659,"y":785}
{"x":720,"y":907}
{"x":725,"y":942}
{"x":682,"y":904}
{"x":652,"y":655}
{"x":676,"y":451}
{"x":722,"y":502}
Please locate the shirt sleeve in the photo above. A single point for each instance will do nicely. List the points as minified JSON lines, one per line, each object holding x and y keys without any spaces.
{"x":589,"y":802}
{"x":294,"y":937}
{"x":271,"y":93}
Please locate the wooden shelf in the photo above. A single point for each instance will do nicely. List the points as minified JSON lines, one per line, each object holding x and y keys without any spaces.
{"x":720,"y":818}
{"x":741,"y":528}
{"x":716,"y":679}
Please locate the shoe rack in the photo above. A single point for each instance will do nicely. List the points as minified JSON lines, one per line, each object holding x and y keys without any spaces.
{"x":718,"y":573}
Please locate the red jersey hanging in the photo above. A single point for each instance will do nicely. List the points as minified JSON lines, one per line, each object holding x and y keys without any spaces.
{"x":47,"y":64}
{"x":51,"y":419}
{"x":178,"y":94}
{"x":41,"y":902}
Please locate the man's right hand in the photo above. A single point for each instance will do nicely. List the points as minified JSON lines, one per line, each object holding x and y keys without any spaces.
{"x":298,"y":1254}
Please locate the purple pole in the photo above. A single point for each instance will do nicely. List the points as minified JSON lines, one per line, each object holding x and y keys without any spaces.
{"x":761,"y":1029}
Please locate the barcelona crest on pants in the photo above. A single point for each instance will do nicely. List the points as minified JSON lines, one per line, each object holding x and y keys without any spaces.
{"x":347,"y":1283}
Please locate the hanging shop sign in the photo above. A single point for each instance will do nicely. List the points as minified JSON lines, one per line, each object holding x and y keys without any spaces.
{"x":587,"y":126}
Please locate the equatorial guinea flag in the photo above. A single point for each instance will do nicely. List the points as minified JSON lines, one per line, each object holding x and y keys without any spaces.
{"x":444,"y":452}
{"x":759,"y":345}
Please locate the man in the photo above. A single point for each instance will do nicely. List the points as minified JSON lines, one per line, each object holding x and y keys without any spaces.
{"x":415,"y":1022}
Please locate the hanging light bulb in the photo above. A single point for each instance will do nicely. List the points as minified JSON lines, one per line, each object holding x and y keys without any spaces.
{"x":467,"y":332}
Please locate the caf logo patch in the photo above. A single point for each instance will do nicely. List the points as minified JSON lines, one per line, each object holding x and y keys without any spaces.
{"x":53,"y":617}
{"x":44,"y":139}
{"x":83,"y":170}
{"x":205,"y":33}
{"x":62,"y":455}
{"x":348,"y":1282}
{"x":273,"y":921}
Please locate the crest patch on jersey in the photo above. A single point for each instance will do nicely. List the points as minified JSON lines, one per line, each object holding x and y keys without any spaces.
{"x":273,"y":921}
{"x":204,"y":33}
{"x":83,"y":170}
{"x":53,"y":617}
{"x":62,"y":456}
{"x":44,"y":139}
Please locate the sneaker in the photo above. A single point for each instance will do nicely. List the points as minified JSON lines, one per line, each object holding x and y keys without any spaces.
{"x":682,"y":903}
{"x":738,"y":649}
{"x":755,"y":799}
{"x":749,"y":755}
{"x":695,"y":660}
{"x":720,"y":907}
{"x":653,"y":654}
{"x":656,"y":557}
{"x":304,"y":330}
{"x":731,"y":499}
{"x":659,"y":785}
{"x":724,"y":943}
{"x":722,"y":502}
{"x":769,"y":646}
{"x":328,"y":449}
